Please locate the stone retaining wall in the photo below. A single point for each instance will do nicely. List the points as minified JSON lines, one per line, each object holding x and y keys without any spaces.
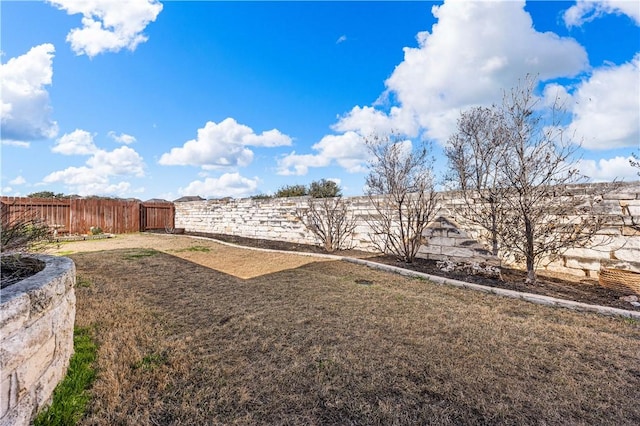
{"x":36,"y":339}
{"x":450,"y":237}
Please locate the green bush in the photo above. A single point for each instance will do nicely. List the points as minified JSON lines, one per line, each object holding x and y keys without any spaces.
{"x":324,"y":189}
{"x":291,"y":191}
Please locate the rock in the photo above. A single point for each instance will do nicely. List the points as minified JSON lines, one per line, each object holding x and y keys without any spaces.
{"x":631,"y":298}
{"x":473,"y":268}
{"x":636,"y":304}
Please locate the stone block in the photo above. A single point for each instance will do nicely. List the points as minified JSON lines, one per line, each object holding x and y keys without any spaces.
{"x":459,"y":252}
{"x":621,"y":264}
{"x":627,"y":195}
{"x":441,"y":241}
{"x":588,"y":253}
{"x":626,"y":243}
{"x":14,"y":314}
{"x":429,"y":249}
{"x":629,"y":255}
{"x":29,"y":372}
{"x":24,"y":344}
{"x":51,"y":377}
{"x":581,"y":263}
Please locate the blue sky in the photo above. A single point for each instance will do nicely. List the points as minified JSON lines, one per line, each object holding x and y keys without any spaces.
{"x":158,"y":100}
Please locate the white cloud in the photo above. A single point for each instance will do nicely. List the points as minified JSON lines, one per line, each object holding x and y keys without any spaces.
{"x":347,"y":150}
{"x":108,"y":25}
{"x":607,"y":170}
{"x":20,"y":144}
{"x":78,"y":142}
{"x":26,"y":112}
{"x":606,"y":109}
{"x":227,"y":185}
{"x":19,"y":180}
{"x":120,"y":161}
{"x":101,"y":167}
{"x":341,"y":39}
{"x":298,"y":164}
{"x":588,"y":10}
{"x":222,"y":145}
{"x":122,"y":138}
{"x":474,"y":51}
{"x":368,"y":120}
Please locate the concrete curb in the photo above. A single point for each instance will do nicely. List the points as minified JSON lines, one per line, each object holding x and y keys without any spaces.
{"x":529,"y":297}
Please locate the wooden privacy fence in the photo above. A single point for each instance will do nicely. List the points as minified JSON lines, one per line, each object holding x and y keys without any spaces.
{"x":78,"y":215}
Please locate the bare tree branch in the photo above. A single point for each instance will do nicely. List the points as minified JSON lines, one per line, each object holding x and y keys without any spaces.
{"x":516,"y":168}
{"x":22,"y":230}
{"x":401,"y":188}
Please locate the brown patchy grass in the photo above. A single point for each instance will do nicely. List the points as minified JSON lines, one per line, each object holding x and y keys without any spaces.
{"x":184,"y":344}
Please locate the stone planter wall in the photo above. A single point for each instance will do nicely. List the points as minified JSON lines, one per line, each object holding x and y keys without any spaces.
{"x":36,"y":339}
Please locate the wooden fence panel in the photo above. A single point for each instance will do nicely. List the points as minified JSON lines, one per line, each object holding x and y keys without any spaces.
{"x":54,"y":212}
{"x":112,"y":216}
{"x":77,"y":216}
{"x":157,"y":216}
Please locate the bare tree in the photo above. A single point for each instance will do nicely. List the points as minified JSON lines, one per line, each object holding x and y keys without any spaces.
{"x":400,"y":186}
{"x":516,"y":169}
{"x":475,"y":153}
{"x":329,"y":220}
{"x":542,"y":217}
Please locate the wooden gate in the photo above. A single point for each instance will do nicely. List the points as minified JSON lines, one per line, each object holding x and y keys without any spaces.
{"x":157,"y":216}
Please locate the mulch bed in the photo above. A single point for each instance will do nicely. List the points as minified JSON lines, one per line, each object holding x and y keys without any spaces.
{"x":15,"y":268}
{"x":572,"y":288}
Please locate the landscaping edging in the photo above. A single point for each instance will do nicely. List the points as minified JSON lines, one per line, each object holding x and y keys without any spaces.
{"x":37,"y":316}
{"x":529,"y":297}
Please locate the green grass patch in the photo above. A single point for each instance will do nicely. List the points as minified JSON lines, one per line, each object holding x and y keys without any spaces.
{"x":151,"y":361}
{"x":82,"y":282}
{"x":140,"y":253}
{"x":65,"y":253}
{"x":195,"y":248}
{"x":71,"y":396}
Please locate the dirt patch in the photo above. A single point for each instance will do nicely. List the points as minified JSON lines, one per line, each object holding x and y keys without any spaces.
{"x":336,"y":343}
{"x":234,"y":261}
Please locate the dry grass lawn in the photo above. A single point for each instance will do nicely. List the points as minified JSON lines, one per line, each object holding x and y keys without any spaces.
{"x":300,"y":341}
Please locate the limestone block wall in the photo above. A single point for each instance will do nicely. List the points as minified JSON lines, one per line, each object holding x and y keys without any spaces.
{"x":450,"y":237}
{"x":272,"y":219}
{"x":36,"y":339}
{"x":616,"y":245}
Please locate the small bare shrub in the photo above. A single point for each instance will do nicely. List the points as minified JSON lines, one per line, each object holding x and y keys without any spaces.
{"x":329,"y":220}
{"x":21,"y":231}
